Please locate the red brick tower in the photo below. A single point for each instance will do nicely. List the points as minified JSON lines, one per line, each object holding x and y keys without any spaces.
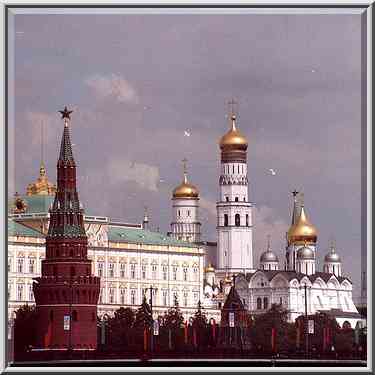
{"x":66,"y":294}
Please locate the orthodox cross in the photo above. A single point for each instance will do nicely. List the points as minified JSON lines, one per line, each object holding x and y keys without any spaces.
{"x":268,"y":242}
{"x":231,"y":105}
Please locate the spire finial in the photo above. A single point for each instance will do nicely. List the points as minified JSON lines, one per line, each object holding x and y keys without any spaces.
{"x":184,"y":164}
{"x":268,"y":242}
{"x":232,"y":112}
{"x":295,"y":193}
{"x":332,"y":244}
{"x":145,"y":216}
{"x":42,"y":170}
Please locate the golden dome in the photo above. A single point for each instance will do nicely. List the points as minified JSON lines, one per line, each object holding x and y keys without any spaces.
{"x":185,"y":189}
{"x":228,"y":279}
{"x":302,"y":232}
{"x":209,"y":268}
{"x":42,"y":186}
{"x":233,"y":139}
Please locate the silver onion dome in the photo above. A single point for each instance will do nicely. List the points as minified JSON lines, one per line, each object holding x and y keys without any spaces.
{"x":268,"y":256}
{"x":332,"y":257}
{"x":305,"y":253}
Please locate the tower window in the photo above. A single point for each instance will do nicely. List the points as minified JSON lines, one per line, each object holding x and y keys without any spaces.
{"x":227,"y":199}
{"x":225,"y":220}
{"x":247,"y":220}
{"x":237,"y":220}
{"x":233,"y":168}
{"x":179,"y":213}
{"x":259,"y":303}
{"x":236,"y":199}
{"x":244,"y":199}
{"x":238,"y":168}
{"x":188,"y":213}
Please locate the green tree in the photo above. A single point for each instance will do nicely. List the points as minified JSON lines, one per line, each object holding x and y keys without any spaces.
{"x":24,"y":329}
{"x":143,"y":317}
{"x":200,"y":326}
{"x":174,"y":319}
{"x":120,"y":326}
{"x":276,"y":317}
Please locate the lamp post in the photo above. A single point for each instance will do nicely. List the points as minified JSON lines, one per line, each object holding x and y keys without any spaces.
{"x":306,"y":324}
{"x":152,"y":289}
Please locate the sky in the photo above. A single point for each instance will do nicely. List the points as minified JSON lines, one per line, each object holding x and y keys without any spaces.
{"x":137,"y":82}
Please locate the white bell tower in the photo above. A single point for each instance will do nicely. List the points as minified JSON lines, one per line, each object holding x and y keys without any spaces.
{"x":234,"y":222}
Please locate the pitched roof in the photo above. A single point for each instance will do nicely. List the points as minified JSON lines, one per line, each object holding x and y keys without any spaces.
{"x":142,"y":236}
{"x":233,"y":300}
{"x":35,"y":203}
{"x":16,"y":229}
{"x":66,"y":153}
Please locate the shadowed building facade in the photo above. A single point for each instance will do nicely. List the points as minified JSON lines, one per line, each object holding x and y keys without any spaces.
{"x":66,"y":294}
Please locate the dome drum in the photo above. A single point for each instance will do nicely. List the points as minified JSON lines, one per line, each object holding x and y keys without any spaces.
{"x":233,"y":156}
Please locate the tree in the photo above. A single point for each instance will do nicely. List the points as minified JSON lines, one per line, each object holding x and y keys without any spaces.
{"x":200,"y":326}
{"x":24,"y":329}
{"x":143,"y":317}
{"x":120,"y":326}
{"x":276,"y":318}
{"x":174,"y":319}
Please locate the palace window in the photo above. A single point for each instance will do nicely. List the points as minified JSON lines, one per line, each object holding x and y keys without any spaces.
{"x":185,"y":270}
{"x":225,"y":220}
{"x":20,"y":265}
{"x":132,"y":271}
{"x":111,"y":295}
{"x":236,"y":199}
{"x":9,"y":291}
{"x":122,"y":296}
{"x":185,"y":298}
{"x":237,"y":220}
{"x":31,"y":265}
{"x":111,"y":271}
{"x":174,"y":270}
{"x":175,"y":298}
{"x":227,"y":199}
{"x":154,"y":269}
{"x":143,"y":272}
{"x":100,"y":269}
{"x":9,"y":264}
{"x":165,"y":272}
{"x":19,"y":292}
{"x":132,"y":296}
{"x":165,"y":296}
{"x":265,"y":303}
{"x":122,"y":270}
{"x":31,"y":294}
{"x":259,"y":303}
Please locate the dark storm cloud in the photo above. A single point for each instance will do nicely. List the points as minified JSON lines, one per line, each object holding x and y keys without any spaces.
{"x":137,"y":82}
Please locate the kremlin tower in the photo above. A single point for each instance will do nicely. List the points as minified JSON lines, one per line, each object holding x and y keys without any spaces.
{"x":66,"y":294}
{"x":234,"y":222}
{"x":185,"y":211}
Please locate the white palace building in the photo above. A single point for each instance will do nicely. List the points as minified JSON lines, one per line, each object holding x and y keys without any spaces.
{"x":130,"y":258}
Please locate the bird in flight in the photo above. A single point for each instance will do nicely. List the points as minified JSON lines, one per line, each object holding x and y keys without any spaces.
{"x":186,"y":133}
{"x":273,"y":173}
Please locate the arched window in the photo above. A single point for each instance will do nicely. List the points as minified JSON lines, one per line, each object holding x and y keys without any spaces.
{"x":74,"y":316}
{"x":237,"y":220}
{"x":225,"y":220}
{"x":265,"y":303}
{"x":236,"y":199}
{"x":259,"y":303}
{"x":227,"y":199}
{"x":247,"y":220}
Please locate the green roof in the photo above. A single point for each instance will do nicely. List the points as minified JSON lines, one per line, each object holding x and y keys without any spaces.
{"x":136,"y":235}
{"x":16,"y":229}
{"x":35,"y":203}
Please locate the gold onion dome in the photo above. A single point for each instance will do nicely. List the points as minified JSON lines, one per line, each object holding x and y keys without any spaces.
{"x":185,"y":189}
{"x":302,"y":232}
{"x":209,"y":268}
{"x":42,"y":186}
{"x":233,"y":139}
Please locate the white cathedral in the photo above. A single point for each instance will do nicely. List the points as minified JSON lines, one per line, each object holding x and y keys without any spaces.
{"x":260,"y":287}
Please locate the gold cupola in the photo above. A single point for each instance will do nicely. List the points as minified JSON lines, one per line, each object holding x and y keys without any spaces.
{"x":233,"y":139}
{"x":42,"y":186}
{"x":302,"y":232}
{"x":209,"y":268}
{"x":185,"y":190}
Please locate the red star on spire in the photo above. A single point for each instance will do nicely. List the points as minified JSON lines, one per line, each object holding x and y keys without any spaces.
{"x":65,"y":113}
